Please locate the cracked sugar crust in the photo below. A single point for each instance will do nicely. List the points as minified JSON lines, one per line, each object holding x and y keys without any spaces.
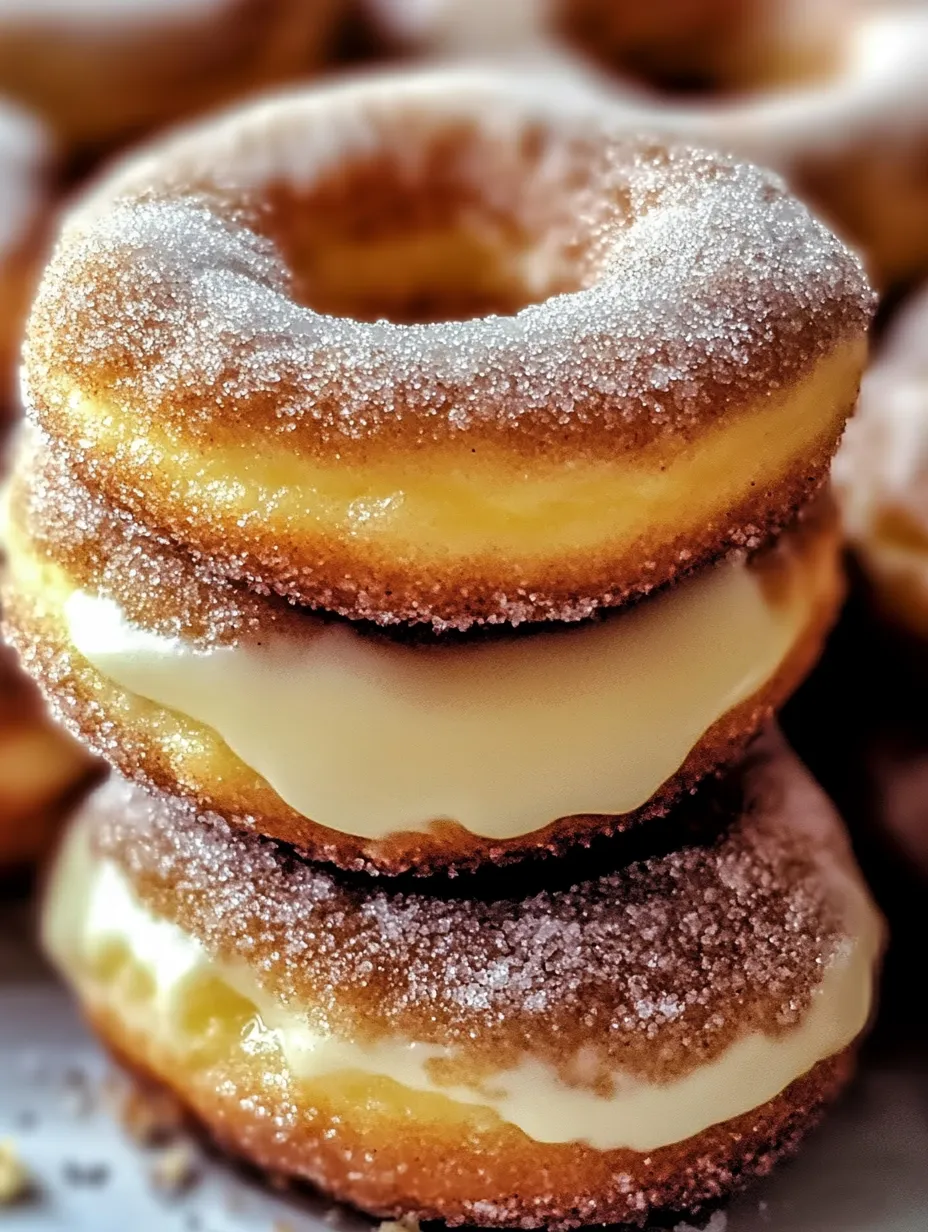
{"x":242,"y":341}
{"x":655,"y":966}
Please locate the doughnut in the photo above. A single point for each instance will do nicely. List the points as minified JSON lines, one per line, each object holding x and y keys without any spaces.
{"x":25,"y":191}
{"x":446,"y":348}
{"x":682,"y":45}
{"x":638,"y":1038}
{"x":383,"y":750}
{"x":897,"y":763}
{"x":719,"y":45}
{"x":881,"y":473}
{"x":851,"y":139}
{"x":832,"y":93}
{"x":41,"y":770}
{"x":100,"y":71}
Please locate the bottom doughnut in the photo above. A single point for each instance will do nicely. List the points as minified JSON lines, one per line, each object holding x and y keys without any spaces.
{"x":486,"y":1051}
{"x":582,"y":1186}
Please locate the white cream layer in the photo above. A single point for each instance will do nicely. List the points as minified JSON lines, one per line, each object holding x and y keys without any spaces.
{"x":372,"y":738}
{"x":92,"y":904}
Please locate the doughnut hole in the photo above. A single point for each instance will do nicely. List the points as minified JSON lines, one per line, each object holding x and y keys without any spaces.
{"x":448,"y":223}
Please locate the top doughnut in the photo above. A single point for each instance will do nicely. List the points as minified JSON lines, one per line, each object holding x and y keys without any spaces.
{"x":446,"y":348}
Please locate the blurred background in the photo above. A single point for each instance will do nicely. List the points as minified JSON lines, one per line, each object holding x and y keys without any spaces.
{"x":832,"y":93}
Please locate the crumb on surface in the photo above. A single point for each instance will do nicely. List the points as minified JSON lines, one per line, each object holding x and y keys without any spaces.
{"x":175,"y":1170}
{"x":718,"y":1222}
{"x":150,"y":1118}
{"x":90,"y":1174}
{"x":15,"y":1180}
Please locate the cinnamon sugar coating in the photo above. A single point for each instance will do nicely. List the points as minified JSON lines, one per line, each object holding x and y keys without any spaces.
{"x":658,"y":964}
{"x":672,"y":285}
{"x":526,"y":290}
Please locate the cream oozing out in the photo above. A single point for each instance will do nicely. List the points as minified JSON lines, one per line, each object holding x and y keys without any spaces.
{"x":91,"y":904}
{"x":371,"y":737}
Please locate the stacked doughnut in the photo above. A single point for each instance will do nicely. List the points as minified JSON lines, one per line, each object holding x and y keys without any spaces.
{"x":832,"y":93}
{"x":421,"y":475}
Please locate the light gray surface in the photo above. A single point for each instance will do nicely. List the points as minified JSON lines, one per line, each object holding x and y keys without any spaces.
{"x":866,"y":1170}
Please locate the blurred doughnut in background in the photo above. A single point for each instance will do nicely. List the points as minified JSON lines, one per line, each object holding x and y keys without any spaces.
{"x":881,"y":481}
{"x":881,"y":472}
{"x":26,"y":152}
{"x":832,"y":93}
{"x":712,"y":45}
{"x":41,"y":770}
{"x":101,"y":71}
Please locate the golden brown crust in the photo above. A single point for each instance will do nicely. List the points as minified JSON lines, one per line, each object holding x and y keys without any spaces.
{"x":97,"y":82}
{"x":415,"y":1171}
{"x":358,"y":582}
{"x":216,"y":262}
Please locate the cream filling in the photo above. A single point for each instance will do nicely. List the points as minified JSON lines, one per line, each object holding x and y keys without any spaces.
{"x":372,"y":738}
{"x":92,"y":904}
